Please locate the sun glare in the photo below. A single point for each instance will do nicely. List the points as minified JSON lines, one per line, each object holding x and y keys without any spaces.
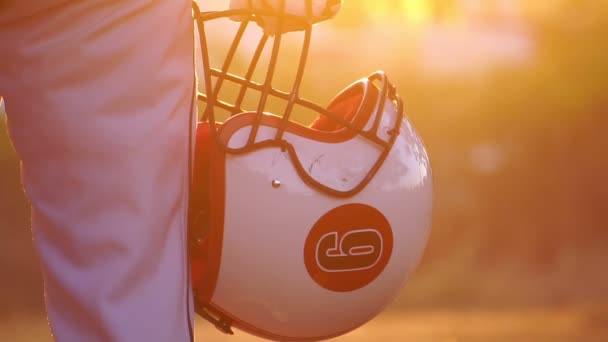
{"x":413,"y":12}
{"x":416,"y":12}
{"x":424,"y":13}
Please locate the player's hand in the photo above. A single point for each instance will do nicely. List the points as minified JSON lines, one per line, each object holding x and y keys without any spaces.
{"x":296,"y":14}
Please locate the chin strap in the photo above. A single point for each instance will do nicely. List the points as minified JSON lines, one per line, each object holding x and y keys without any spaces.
{"x":221,"y":322}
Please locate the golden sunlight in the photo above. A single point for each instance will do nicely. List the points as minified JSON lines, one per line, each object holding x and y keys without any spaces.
{"x":414,"y":12}
{"x":421,"y":13}
{"x":417,"y":12}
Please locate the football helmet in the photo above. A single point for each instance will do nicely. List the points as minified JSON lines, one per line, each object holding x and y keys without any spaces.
{"x":299,"y":232}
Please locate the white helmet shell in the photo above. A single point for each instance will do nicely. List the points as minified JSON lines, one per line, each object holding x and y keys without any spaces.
{"x":290,"y":262}
{"x":302,"y":233}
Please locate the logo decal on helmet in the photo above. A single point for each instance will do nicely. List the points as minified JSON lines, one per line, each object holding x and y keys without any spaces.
{"x":356,"y":250}
{"x":348,"y":247}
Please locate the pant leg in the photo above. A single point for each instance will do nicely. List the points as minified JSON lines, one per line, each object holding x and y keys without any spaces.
{"x":99,"y":98}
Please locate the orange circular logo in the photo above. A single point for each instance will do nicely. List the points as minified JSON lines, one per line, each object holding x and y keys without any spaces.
{"x":348,"y":247}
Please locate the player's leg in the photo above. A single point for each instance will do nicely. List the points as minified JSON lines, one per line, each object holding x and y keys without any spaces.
{"x":99,"y":100}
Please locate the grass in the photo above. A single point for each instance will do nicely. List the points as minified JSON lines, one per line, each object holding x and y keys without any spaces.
{"x":530,"y":325}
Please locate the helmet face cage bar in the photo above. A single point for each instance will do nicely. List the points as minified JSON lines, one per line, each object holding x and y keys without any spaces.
{"x":211,"y":100}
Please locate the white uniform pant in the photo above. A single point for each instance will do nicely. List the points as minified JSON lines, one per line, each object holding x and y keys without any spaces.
{"x":99,"y":101}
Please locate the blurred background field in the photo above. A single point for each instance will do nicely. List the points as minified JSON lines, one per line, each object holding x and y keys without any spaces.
{"x":510,"y":97}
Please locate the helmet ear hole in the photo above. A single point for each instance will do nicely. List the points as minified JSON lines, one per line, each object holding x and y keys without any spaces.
{"x":344,"y":108}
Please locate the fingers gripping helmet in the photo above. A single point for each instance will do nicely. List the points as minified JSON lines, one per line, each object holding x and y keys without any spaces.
{"x":300,"y":232}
